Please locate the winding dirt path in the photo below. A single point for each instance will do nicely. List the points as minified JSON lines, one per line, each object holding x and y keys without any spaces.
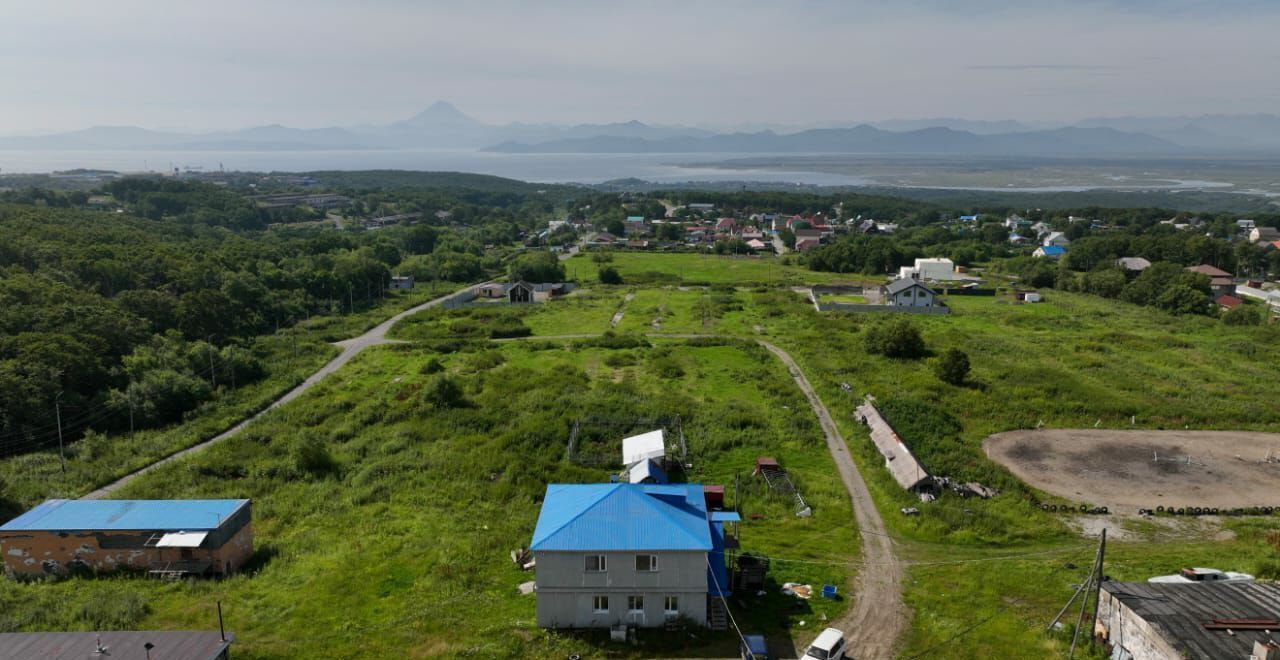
{"x":878,"y":616}
{"x":350,"y":348}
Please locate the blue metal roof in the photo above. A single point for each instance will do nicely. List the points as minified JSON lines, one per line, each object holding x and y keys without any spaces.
{"x":120,"y":515}
{"x":1053,"y":249}
{"x":725,"y":516}
{"x":580,"y":517}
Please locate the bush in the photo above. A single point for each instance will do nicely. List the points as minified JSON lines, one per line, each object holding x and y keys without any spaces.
{"x":312,"y":457}
{"x":609,"y":275}
{"x":443,"y":392}
{"x":432,"y":366}
{"x":1244,"y":315}
{"x":899,"y":338}
{"x":952,"y":367}
{"x":666,"y":367}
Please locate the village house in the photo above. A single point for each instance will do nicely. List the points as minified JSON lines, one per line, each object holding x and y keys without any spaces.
{"x":1222,"y":282}
{"x":163,"y":537}
{"x":402,"y":282}
{"x":929,"y":269}
{"x":908,"y":292}
{"x":1133,"y":264}
{"x":1049,"y":252}
{"x":1207,"y":621}
{"x":1264,"y":235}
{"x":806,"y":244}
{"x":1056,"y":238}
{"x":628,"y":554}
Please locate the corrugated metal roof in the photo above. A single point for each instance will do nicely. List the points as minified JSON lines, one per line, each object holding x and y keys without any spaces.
{"x":1179,"y":612}
{"x":124,"y":645}
{"x":902,"y":464}
{"x":120,"y":515}
{"x":580,"y":517}
{"x":646,"y":445}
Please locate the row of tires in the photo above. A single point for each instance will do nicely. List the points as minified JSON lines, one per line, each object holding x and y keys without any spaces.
{"x":1067,"y":508}
{"x":1209,"y":511}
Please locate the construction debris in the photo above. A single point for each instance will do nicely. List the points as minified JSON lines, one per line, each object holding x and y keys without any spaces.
{"x":778,"y":480}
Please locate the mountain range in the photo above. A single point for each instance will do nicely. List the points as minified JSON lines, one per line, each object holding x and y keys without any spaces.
{"x":443,"y":126}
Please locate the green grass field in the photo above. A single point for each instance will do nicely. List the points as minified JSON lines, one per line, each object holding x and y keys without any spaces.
{"x":400,"y":548}
{"x":701,"y":269}
{"x":383,"y":523}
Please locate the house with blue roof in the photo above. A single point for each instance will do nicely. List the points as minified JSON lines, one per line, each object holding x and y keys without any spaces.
{"x":167,"y":538}
{"x":1049,"y":252}
{"x":629,"y":554}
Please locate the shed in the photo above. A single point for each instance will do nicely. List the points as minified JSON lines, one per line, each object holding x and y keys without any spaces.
{"x":165,"y":537}
{"x":520,"y":292}
{"x":1209,"y":621}
{"x":714,"y":496}
{"x":646,"y":446}
{"x":119,"y":645}
{"x":898,"y":459}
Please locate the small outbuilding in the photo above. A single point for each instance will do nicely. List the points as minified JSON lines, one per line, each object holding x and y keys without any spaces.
{"x":1208,"y":621}
{"x":644,"y":447}
{"x":118,"y":645}
{"x":402,"y":282}
{"x":167,"y":538}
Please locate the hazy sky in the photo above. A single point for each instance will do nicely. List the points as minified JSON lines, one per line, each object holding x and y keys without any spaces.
{"x":234,"y":63}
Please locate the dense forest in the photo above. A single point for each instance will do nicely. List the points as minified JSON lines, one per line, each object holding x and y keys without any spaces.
{"x":136,"y":317}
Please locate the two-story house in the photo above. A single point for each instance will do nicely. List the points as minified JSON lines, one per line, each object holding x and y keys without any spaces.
{"x":908,"y":292}
{"x":631,"y":554}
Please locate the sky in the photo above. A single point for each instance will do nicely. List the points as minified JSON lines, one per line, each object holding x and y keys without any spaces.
{"x":313,"y":63}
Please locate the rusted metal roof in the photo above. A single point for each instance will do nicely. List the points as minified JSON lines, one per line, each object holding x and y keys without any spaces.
{"x":902,"y":464}
{"x":1195,"y":618}
{"x":126,"y":645}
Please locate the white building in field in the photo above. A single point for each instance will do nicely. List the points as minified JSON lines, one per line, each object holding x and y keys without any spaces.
{"x":929,"y":269}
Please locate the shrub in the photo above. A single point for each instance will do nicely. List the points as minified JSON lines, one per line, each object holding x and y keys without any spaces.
{"x":432,"y":366}
{"x":899,"y":338}
{"x":1244,"y":315}
{"x":666,"y":367}
{"x":443,"y":392}
{"x":609,"y":275}
{"x":312,"y":457}
{"x":952,"y":367}
{"x":620,"y":359}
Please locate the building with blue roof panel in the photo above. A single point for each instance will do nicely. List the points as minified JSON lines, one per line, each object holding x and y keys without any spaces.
{"x":621,"y":553}
{"x":164,"y":537}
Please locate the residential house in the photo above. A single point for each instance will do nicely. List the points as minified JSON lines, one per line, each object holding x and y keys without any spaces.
{"x":1133,"y":264}
{"x":164,"y":537}
{"x":1204,"y":621}
{"x":908,"y":292}
{"x":726,"y":225}
{"x":1222,"y":282}
{"x":1056,"y":238}
{"x":492,"y":291}
{"x":1017,"y":239}
{"x":1264,"y":235}
{"x":1049,"y":252}
{"x":1227,"y":302}
{"x":636,"y":225}
{"x":929,"y":269}
{"x":1041,"y":228}
{"x":759,"y":245}
{"x":1075,"y":219}
{"x":627,"y":554}
{"x":1016,"y":222}
{"x":605,"y":238}
{"x":520,"y":292}
{"x":119,"y":645}
{"x":812,"y":233}
{"x":1246,"y":224}
{"x":806,"y":244}
{"x":886,"y":227}
{"x":969,"y":218}
{"x":700,"y":208}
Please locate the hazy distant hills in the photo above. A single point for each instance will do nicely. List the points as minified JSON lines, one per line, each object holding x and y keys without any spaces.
{"x":867,"y":139}
{"x":443,"y":126}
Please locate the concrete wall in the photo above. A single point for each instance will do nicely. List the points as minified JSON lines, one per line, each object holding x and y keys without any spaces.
{"x":35,"y":554}
{"x":565,"y":589}
{"x":1119,"y":626}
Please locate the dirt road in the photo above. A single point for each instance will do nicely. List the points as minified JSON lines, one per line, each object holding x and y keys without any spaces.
{"x":878,"y":616}
{"x":350,"y":348}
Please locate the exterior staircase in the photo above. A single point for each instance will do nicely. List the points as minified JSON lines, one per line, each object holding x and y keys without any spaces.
{"x":717,"y":614}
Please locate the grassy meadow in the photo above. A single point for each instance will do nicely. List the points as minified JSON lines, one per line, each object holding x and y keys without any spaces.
{"x":383,"y":516}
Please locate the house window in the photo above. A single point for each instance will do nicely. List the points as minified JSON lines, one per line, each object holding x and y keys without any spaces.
{"x":635,"y":604}
{"x":596,"y":564}
{"x":600,"y":604}
{"x":671,"y":606}
{"x":646,"y":563}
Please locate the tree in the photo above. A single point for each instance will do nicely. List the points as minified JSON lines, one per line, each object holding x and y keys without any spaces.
{"x":952,"y":367}
{"x":899,"y":338}
{"x":609,"y":275}
{"x":1244,"y":315}
{"x":537,"y":267}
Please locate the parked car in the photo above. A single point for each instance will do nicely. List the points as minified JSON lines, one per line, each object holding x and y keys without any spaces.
{"x":828,"y":646}
{"x":1202,"y":575}
{"x":754,"y":648}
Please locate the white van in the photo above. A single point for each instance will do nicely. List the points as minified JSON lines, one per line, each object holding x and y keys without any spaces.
{"x":828,"y":646}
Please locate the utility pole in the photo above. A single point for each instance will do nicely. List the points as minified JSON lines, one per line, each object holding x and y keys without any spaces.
{"x":57,"y":411}
{"x":213,"y":374}
{"x":129,"y":391}
{"x":1097,"y":587}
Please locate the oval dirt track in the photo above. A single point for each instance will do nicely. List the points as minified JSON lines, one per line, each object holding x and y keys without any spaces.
{"x":1145,"y":469}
